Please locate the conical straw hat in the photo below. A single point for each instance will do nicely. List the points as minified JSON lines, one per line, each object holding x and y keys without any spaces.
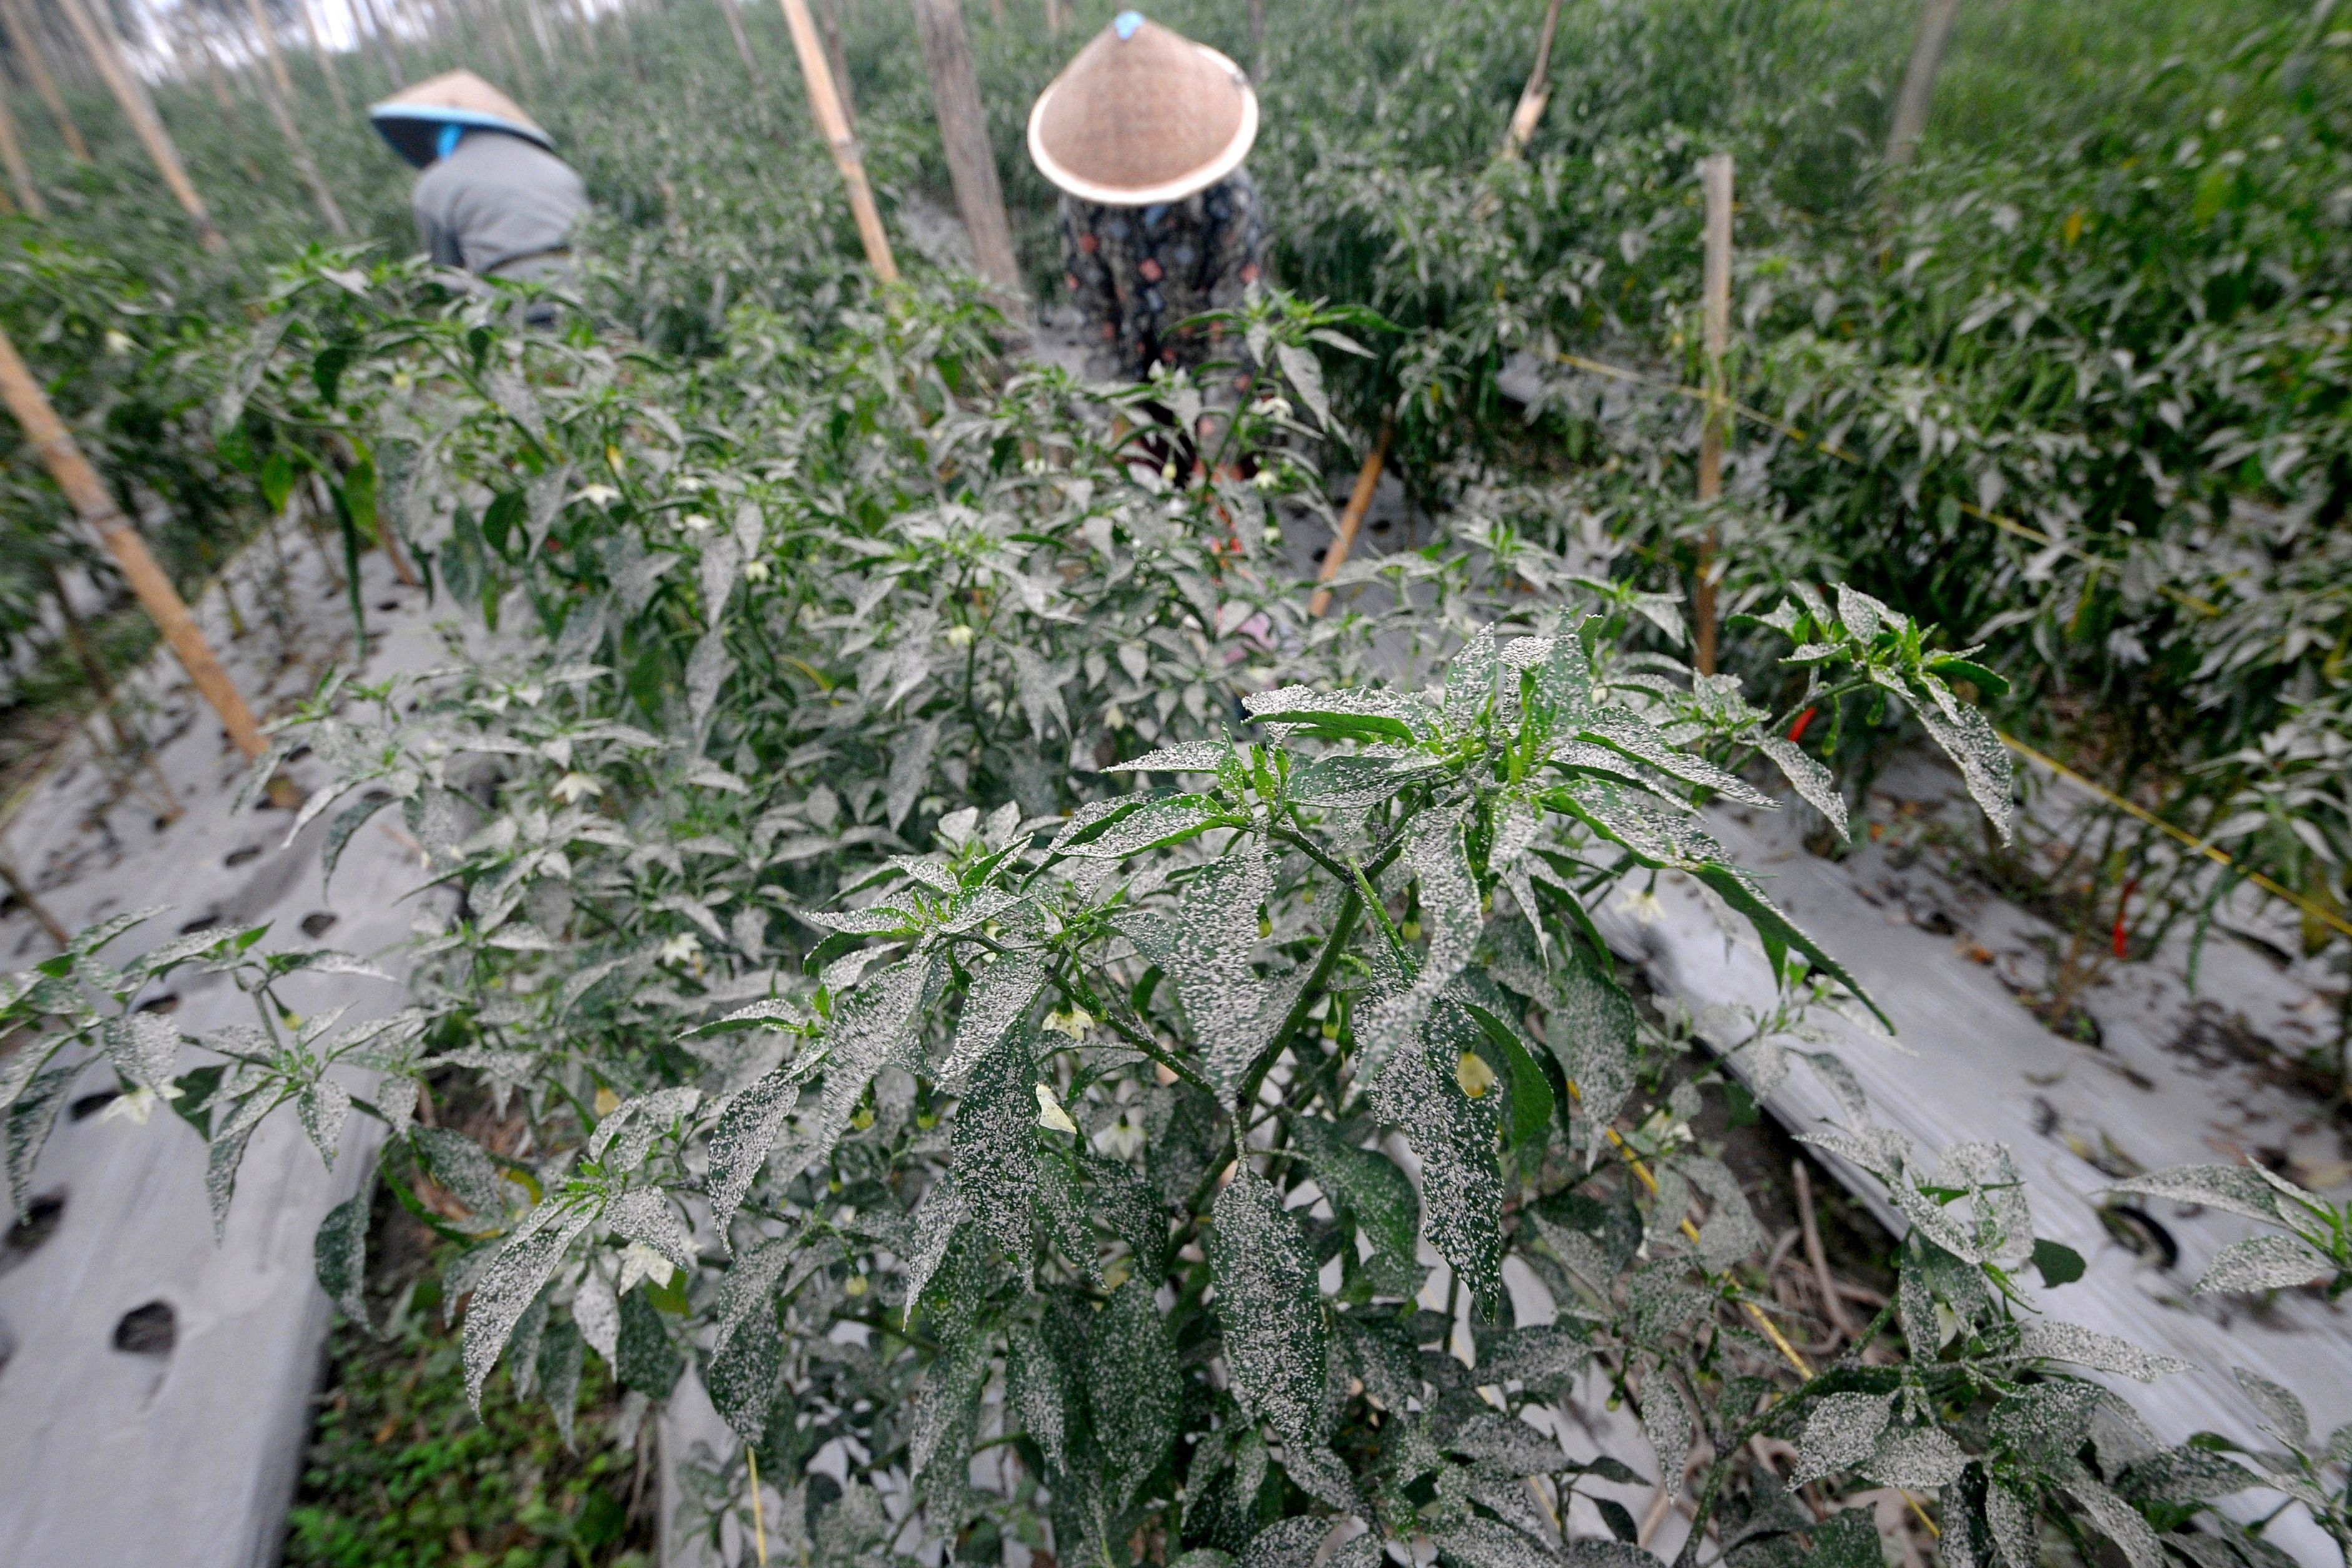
{"x":1143,"y":115}
{"x":411,"y":118}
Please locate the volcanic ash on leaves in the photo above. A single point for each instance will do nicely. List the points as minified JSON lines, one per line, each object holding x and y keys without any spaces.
{"x":647,"y":1360}
{"x":1214,"y":936}
{"x":1134,"y":1391}
{"x":513,"y":1279}
{"x":1841,"y":1433}
{"x":1268,"y":1309}
{"x":996,"y":1143}
{"x":1461,"y":1185}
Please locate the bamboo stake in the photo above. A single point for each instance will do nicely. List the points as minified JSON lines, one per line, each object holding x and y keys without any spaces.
{"x":325,"y":59}
{"x":98,"y":41}
{"x":1053,"y":18}
{"x":27,"y":46}
{"x":377,"y":28}
{"x":825,"y":104}
{"x":192,"y":28}
{"x":304,"y":165}
{"x":1257,"y":38}
{"x":265,"y":30}
{"x":1351,"y":520}
{"x":20,"y":174}
{"x":95,"y":502}
{"x":733,"y":12}
{"x":1715,"y":176}
{"x":23,"y":893}
{"x":1537,"y":93}
{"x":971,"y":160}
{"x":1910,"y":120}
{"x":828,"y":27}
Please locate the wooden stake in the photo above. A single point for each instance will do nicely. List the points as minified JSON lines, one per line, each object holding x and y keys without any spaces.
{"x":1715,"y":176}
{"x":325,"y":59}
{"x":1053,"y":18}
{"x":26,"y":47}
{"x":828,"y":27}
{"x":95,"y":503}
{"x":971,"y":160}
{"x":379,"y":28}
{"x":98,"y":41}
{"x":824,"y":103}
{"x":1910,"y":120}
{"x":263,"y":30}
{"x":1537,"y":93}
{"x":20,"y":174}
{"x":1257,"y":39}
{"x":733,"y":12}
{"x":277,"y":96}
{"x":1351,"y":520}
{"x":33,"y":905}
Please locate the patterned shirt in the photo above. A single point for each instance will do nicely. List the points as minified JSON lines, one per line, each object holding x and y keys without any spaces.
{"x":1135,"y":272}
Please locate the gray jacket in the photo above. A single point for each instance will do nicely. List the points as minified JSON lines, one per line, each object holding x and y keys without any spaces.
{"x":497,"y":205}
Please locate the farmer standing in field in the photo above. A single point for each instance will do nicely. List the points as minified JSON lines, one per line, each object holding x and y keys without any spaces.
{"x":1144,"y":133}
{"x":494,"y":198}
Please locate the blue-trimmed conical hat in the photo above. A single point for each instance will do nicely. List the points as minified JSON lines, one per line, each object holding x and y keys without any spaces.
{"x":411,"y":118}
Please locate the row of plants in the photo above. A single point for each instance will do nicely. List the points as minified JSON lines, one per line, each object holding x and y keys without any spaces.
{"x":1005,"y":997}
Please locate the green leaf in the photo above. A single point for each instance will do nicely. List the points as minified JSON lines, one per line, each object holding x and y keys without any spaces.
{"x":1847,"y":1539}
{"x":1532,"y":1102}
{"x":513,"y":1280}
{"x":1779,"y":932}
{"x":648,"y":1360}
{"x":1368,"y":1183}
{"x":2059,"y":1264}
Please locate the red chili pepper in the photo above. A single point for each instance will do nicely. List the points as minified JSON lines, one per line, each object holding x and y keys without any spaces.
{"x":2123,"y":931}
{"x":1797,"y":730}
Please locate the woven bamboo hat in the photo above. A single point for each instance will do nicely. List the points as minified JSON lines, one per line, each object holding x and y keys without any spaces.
{"x":1143,"y":115}
{"x":412,"y":120}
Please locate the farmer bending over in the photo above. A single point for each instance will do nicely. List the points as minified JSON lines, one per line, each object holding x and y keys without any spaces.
{"x":494,"y":198}
{"x":1144,"y":133}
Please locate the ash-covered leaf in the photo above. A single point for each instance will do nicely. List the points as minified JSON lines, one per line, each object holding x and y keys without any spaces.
{"x":1210,"y":940}
{"x":2228,"y":1188}
{"x":644,"y":1214}
{"x":1667,"y":1423}
{"x":871,"y":1025}
{"x":998,"y":1000}
{"x":1840,"y":1432}
{"x":1847,"y":1539}
{"x":1185,"y":757}
{"x":945,"y":1407}
{"x":559,"y":1372}
{"x":1134,"y":1390}
{"x":459,"y":1164}
{"x":1037,"y":1391}
{"x":1450,"y":912}
{"x":598,"y":1312}
{"x":2263,"y":1263}
{"x":1920,"y":1458}
{"x":995,"y":1143}
{"x":514,"y":1277}
{"x":2117,"y":1519}
{"x":1506,"y":1441}
{"x":2282,"y":1414}
{"x":340,"y":1255}
{"x":323,"y":1107}
{"x":742,"y":1376}
{"x":142,"y":1046}
{"x":1814,"y":783}
{"x":938,"y":1217}
{"x":745,"y":1133}
{"x":1479,"y":1542}
{"x":1461,"y":1184}
{"x":2101,"y":1352}
{"x":2046,"y":1423}
{"x":1268,"y":1309}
